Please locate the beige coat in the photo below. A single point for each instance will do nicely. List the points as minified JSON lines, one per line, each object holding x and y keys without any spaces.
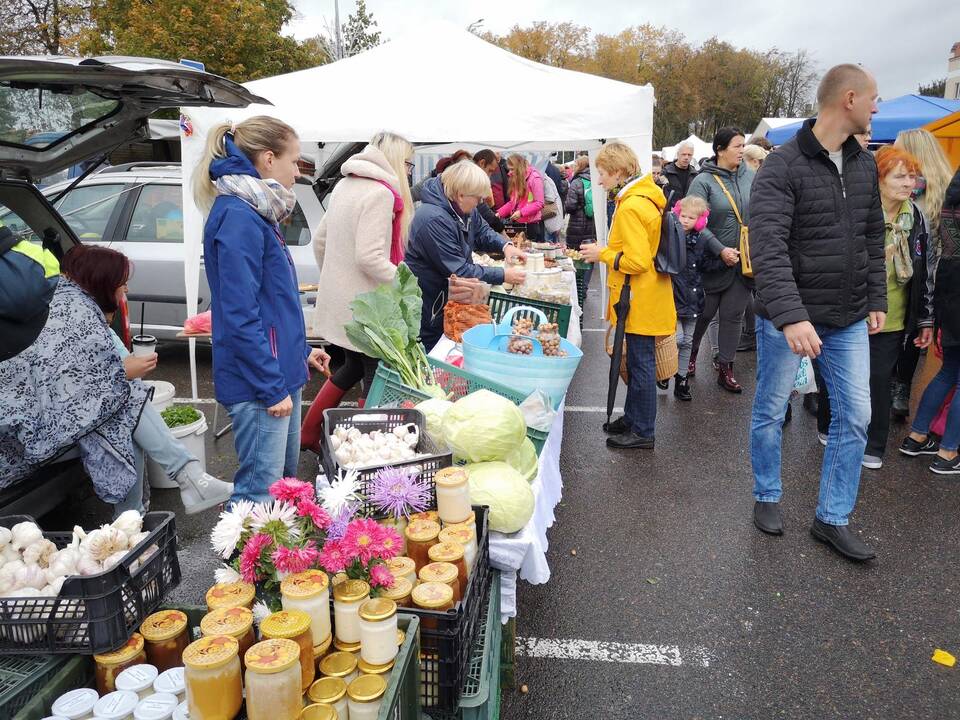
{"x":352,"y":244}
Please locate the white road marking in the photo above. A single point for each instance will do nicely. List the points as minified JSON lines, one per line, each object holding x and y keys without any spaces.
{"x":603,"y":330}
{"x":629,"y":653}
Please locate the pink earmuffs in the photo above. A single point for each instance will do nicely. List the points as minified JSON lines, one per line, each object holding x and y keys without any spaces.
{"x":701,"y":221}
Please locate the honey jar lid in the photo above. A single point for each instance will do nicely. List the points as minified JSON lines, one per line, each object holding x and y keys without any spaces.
{"x":401,"y":636}
{"x":400,"y":589}
{"x":272,"y":656}
{"x":377,"y":609}
{"x":320,"y":650}
{"x":401,"y":565}
{"x":306,"y":584}
{"x":423,"y":530}
{"x":448,"y":552}
{"x":285,"y":624}
{"x":425,"y":515}
{"x":233,"y":621}
{"x":450,"y":477}
{"x":330,"y":690}
{"x":338,"y":664}
{"x":230,"y":595}
{"x":442,"y":572}
{"x":367,"y":688}
{"x":461,"y":534}
{"x":319,"y":711}
{"x":126,"y":652}
{"x":136,"y":678}
{"x":370,"y":669}
{"x":471,"y":520}
{"x":348,"y":647}
{"x":432,"y":595}
{"x":211,"y":652}
{"x":163,"y":625}
{"x":340,"y":577}
{"x":351,"y":590}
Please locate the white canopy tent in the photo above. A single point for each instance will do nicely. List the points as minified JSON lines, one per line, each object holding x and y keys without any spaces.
{"x":772,"y":123}
{"x":429,"y":86}
{"x":701,"y":149}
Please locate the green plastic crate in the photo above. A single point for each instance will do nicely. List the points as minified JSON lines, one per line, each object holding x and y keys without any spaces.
{"x":387,"y":390}
{"x":582,"y":269}
{"x":501,"y":303}
{"x":42,"y":679}
{"x":402,"y":699}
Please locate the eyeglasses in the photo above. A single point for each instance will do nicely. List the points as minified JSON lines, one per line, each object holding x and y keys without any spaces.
{"x":409,"y":164}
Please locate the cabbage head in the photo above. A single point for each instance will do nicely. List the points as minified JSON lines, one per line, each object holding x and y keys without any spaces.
{"x":433,"y":411}
{"x":504,"y":491}
{"x":524,"y":460}
{"x":483,"y":426}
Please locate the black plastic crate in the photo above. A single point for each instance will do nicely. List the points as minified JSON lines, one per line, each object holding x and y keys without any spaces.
{"x":98,"y":613}
{"x":385,"y":419}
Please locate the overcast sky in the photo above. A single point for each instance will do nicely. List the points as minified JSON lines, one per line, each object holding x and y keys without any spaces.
{"x":902,"y":43}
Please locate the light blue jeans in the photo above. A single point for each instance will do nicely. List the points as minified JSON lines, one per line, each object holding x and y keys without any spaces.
{"x":845,"y":365}
{"x":268,"y":448}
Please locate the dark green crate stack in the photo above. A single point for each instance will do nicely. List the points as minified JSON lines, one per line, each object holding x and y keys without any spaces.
{"x":501,"y":303}
{"x":30,"y":683}
{"x":581,"y":269}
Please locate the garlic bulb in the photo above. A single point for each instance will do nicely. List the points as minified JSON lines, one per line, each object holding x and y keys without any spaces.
{"x":88,"y":566}
{"x":8,"y":554}
{"x":103,"y":542}
{"x":5,"y":537}
{"x":8,"y":574}
{"x":114,"y":559}
{"x":55,"y":586}
{"x":24,"y":534}
{"x":129,"y":522}
{"x":30,"y":576}
{"x":39,"y":553}
{"x":138,"y":538}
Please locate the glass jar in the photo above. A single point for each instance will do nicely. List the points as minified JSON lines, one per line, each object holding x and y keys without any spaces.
{"x":293,"y":625}
{"x":330,"y":691}
{"x":272,"y":680}
{"x":320,"y":651}
{"x":432,"y":515}
{"x":341,"y":665}
{"x":237,"y":622}
{"x":399,"y":592}
{"x":453,"y":495}
{"x":117,"y":705}
{"x":159,"y":706}
{"x":432,"y":596}
{"x":165,"y":636}
{"x":364,"y":696}
{"x":442,"y":572}
{"x":138,"y":679}
{"x":171,"y":681}
{"x":378,"y":630}
{"x":352,"y":648}
{"x":111,"y":664}
{"x":235,"y":594}
{"x":403,"y":567}
{"x":321,"y":711}
{"x":466,"y":536}
{"x":309,"y":591}
{"x":366,"y":668}
{"x":182,"y":712}
{"x":401,"y":636}
{"x":347,"y":597}
{"x":451,"y":552}
{"x":212,"y":677}
{"x":75,"y":704}
{"x":471,"y":521}
{"x":421,"y":535}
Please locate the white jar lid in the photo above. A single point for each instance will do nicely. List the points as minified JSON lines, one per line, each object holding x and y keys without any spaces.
{"x":156,"y":707}
{"x":75,"y":704}
{"x":137,"y":678}
{"x":170,"y":681}
{"x":55,"y":717}
{"x":182,"y":712}
{"x":118,"y":705}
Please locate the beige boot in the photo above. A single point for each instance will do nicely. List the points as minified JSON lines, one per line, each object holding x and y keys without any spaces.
{"x":200,"y":491}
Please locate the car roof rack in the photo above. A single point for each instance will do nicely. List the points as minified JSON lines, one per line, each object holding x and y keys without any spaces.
{"x":127,"y":167}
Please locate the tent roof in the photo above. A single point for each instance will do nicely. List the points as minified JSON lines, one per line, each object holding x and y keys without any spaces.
{"x":902,"y":113}
{"x":701,"y":148}
{"x":771,"y":123}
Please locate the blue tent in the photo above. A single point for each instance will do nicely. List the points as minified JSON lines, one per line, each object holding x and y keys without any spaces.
{"x":902,"y":113}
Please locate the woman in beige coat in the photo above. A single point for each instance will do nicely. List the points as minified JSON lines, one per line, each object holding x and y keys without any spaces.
{"x":360,"y":242}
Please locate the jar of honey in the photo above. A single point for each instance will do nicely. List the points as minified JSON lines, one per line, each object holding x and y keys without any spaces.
{"x":236,"y":594}
{"x":347,"y":597}
{"x":212,"y":677}
{"x":466,"y":537}
{"x":451,"y":552}
{"x":309,"y":591}
{"x":431,"y":515}
{"x":341,"y":665}
{"x":320,"y":711}
{"x":432,"y":596}
{"x":378,"y":630}
{"x":366,"y":668}
{"x":320,"y":651}
{"x":471,"y":521}
{"x":352,"y":648}
{"x":364,"y":696}
{"x":165,"y":636}
{"x":171,"y":681}
{"x":236,"y":622}
{"x":403,"y":567}
{"x":330,"y":691}
{"x":273,"y":680}
{"x":421,"y":535}
{"x":138,"y":679}
{"x":453,"y":495}
{"x":399,"y":592}
{"x":293,"y":625}
{"x":442,"y":572}
{"x":111,"y":664}
{"x":118,"y":705}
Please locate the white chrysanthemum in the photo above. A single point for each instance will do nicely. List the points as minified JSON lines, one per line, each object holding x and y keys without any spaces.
{"x":226,"y":534}
{"x":277,"y":511}
{"x":341,"y":493}
{"x":260,"y":612}
{"x":226,"y":575}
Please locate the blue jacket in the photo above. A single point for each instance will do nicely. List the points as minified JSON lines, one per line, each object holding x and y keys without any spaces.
{"x":688,"y":292}
{"x":441,"y":244}
{"x":28,"y":278}
{"x":259,"y":338}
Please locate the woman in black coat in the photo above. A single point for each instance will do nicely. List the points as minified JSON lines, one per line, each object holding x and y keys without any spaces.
{"x":580,"y":228}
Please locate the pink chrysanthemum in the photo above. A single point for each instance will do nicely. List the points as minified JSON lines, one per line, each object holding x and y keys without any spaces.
{"x":318,"y":516}
{"x":363,"y":540}
{"x":380,"y":576}
{"x":291,"y":490}
{"x":390,"y":543}
{"x":332,"y":558}
{"x":295,"y":559}
{"x":250,"y":556}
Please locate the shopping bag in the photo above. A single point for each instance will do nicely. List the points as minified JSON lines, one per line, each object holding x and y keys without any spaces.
{"x":805,"y":382}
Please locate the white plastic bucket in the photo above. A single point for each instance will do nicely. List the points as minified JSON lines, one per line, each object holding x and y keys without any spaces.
{"x":163,"y":394}
{"x":191,"y":436}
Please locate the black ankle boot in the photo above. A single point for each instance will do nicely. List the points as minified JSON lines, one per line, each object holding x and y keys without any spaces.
{"x":681,"y":388}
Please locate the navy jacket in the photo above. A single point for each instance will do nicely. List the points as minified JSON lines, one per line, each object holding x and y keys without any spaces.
{"x":259,"y":337}
{"x":441,"y":244}
{"x":28,"y":278}
{"x":688,"y":293}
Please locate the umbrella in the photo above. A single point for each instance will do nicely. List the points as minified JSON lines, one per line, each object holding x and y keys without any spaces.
{"x":616,"y":357}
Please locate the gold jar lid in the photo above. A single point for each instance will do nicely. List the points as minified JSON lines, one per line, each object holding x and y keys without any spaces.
{"x":232,"y":621}
{"x":369,"y":669}
{"x":230,"y":595}
{"x":351,"y":591}
{"x":470,"y":521}
{"x":450,"y":477}
{"x":425,"y":515}
{"x":423,"y":530}
{"x":442,"y":572}
{"x":320,"y":650}
{"x":401,"y":565}
{"x":400,"y":589}
{"x":448,"y":552}
{"x":306,"y":584}
{"x":209,"y":653}
{"x":401,"y":636}
{"x":285,"y":624}
{"x":377,"y":609}
{"x":272,"y":656}
{"x":347,"y":647}
{"x":338,"y":664}
{"x":163,"y":625}
{"x":330,"y":690}
{"x":432,"y":595}
{"x":126,"y":652}
{"x":319,"y":711}
{"x":461,"y":534}
{"x":340,"y":577}
{"x":367,"y":688}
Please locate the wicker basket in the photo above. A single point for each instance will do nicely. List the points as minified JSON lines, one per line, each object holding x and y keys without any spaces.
{"x":668,"y":356}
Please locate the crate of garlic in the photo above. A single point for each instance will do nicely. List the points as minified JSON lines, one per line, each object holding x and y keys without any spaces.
{"x":83,"y":592}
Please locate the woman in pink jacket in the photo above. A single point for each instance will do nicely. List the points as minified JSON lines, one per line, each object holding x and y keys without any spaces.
{"x":526,"y":197}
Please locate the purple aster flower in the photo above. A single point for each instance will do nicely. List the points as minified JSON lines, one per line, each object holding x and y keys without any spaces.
{"x":338,"y":523}
{"x":399,"y":491}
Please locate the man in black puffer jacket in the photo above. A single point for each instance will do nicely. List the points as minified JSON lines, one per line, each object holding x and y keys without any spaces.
{"x":817,"y":247}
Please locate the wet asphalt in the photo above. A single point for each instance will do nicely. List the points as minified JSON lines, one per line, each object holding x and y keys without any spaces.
{"x":666,"y":554}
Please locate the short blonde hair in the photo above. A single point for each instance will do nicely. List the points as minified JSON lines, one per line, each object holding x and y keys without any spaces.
{"x":755,"y":152}
{"x":465,"y":178}
{"x":693,"y":204}
{"x":616,"y":157}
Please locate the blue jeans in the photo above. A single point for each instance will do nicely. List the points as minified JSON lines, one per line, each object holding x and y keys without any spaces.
{"x":844,"y":363}
{"x":640,"y":407}
{"x":935,"y":394}
{"x":268,"y":448}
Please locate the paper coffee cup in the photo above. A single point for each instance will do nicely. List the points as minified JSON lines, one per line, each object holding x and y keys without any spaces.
{"x":144,"y":345}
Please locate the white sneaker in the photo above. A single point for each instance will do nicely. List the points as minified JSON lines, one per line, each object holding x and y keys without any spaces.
{"x":872,"y":462}
{"x":201,"y":491}
{"x":822,"y":437}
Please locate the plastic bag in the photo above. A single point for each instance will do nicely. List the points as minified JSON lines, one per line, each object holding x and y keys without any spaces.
{"x":198,"y":324}
{"x":805,"y":382}
{"x":538,"y":411}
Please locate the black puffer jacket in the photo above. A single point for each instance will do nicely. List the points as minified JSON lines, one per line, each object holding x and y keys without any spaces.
{"x":946,"y":293}
{"x":580,"y":228}
{"x":817,"y":241}
{"x":678,"y":180}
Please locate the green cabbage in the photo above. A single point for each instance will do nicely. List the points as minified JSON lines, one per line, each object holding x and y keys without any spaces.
{"x":504,"y":491}
{"x":433,"y":411}
{"x":483,"y":426}
{"x":524,"y":460}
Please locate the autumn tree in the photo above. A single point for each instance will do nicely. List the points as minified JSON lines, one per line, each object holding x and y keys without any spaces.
{"x":42,"y":27}
{"x":359,"y":32}
{"x":563,"y":45}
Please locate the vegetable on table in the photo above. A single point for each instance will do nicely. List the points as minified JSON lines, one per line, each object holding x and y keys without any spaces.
{"x":353,"y":448}
{"x":433,"y":410}
{"x":507,"y":494}
{"x":483,"y":426}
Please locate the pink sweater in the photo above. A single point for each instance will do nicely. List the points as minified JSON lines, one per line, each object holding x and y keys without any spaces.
{"x":530,"y":204}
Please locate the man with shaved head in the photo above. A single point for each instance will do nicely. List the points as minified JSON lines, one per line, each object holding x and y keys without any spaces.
{"x":817,"y":246}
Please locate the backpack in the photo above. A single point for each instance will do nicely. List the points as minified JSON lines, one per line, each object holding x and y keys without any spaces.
{"x":671,"y":258}
{"x":587,"y":198}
